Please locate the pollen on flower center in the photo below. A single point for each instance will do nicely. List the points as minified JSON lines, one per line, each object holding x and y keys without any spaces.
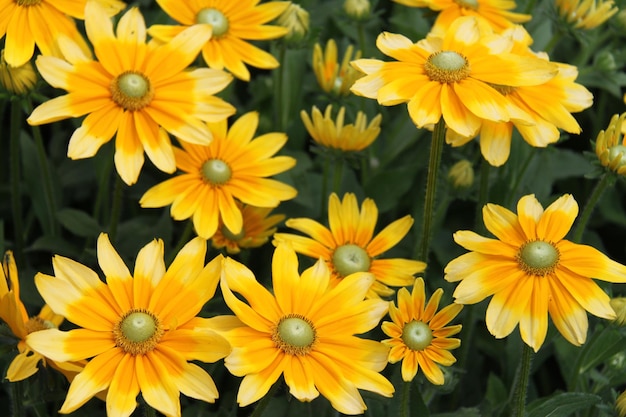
{"x":215,"y":18}
{"x":417,"y":335}
{"x":138,"y":332}
{"x":618,"y":153}
{"x":294,"y":334}
{"x":27,"y":2}
{"x":447,"y":67}
{"x":35,"y":324}
{"x":469,"y":4}
{"x":131,"y":91}
{"x":348,"y":259}
{"x":538,"y":257}
{"x":216,"y":171}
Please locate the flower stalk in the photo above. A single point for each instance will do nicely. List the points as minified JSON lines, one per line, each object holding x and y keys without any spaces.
{"x":520,"y":387}
{"x":16,"y":187}
{"x":607,"y":179}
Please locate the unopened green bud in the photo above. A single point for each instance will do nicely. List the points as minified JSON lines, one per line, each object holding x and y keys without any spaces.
{"x":461,"y":175}
{"x":605,"y":61}
{"x":296,"y":20}
{"x":619,"y":305}
{"x":357,"y":9}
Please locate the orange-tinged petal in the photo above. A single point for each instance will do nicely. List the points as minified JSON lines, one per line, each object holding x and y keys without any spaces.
{"x":425,"y":106}
{"x":196,"y":383}
{"x":23,"y":366}
{"x":254,"y":386}
{"x":155,"y":141}
{"x":529,"y":212}
{"x":128,"y":150}
{"x":410,"y":365}
{"x":397,"y":272}
{"x":487,"y":279}
{"x":121,"y":399}
{"x":297,"y":373}
{"x":97,"y":129}
{"x":149,"y":269}
{"x":504,"y":224}
{"x":495,"y":141}
{"x":463,"y":266}
{"x":390,"y":236}
{"x":587,"y":293}
{"x":533,"y":324}
{"x":73,"y":345}
{"x":19,"y":41}
{"x":587,"y":261}
{"x":456,"y":111}
{"x":116,"y":272}
{"x":557,"y":219}
{"x":475,"y":242}
{"x":285,"y":278}
{"x":350,"y":291}
{"x":157,"y":386}
{"x":203,"y":345}
{"x":568,"y":316}
{"x":432,"y":372}
{"x":507,"y":307}
{"x":315,"y":230}
{"x":252,"y":357}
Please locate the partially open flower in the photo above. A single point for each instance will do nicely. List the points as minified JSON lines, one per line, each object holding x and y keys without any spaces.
{"x":17,"y":80}
{"x":586,"y":14}
{"x":611,"y":146}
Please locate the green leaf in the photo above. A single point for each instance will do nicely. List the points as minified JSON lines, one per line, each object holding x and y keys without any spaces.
{"x":79,"y":223}
{"x":562,"y":404}
{"x":601,"y":346}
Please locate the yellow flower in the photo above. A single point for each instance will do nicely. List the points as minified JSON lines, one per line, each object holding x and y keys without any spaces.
{"x":17,"y":80}
{"x":233,"y":166}
{"x":233,"y":24}
{"x":257,"y":228}
{"x":130,"y":91}
{"x":586,"y":14}
{"x":13,"y":313}
{"x":451,"y":77}
{"x":335,"y":135}
{"x":549,"y":106}
{"x":532,"y":271}
{"x":305,"y":330}
{"x":333,"y":77}
{"x":350,"y":246}
{"x":496,"y":13}
{"x":139,"y":330}
{"x":611,"y":145}
{"x":26,"y":23}
{"x":419,"y":337}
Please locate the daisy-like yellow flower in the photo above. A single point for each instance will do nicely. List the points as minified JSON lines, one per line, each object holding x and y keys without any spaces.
{"x":233,"y":23}
{"x":586,"y":14}
{"x":333,"y":77}
{"x":451,"y":77}
{"x":258,"y":227}
{"x":26,"y":23}
{"x":420,"y":336}
{"x":14,"y":314}
{"x":17,"y":80}
{"x":496,"y":13}
{"x":532,"y":271}
{"x":611,"y":145}
{"x":335,"y":134}
{"x":234,"y":166}
{"x":305,"y":330}
{"x":349,"y":245}
{"x":130,"y":93}
{"x":139,"y":330}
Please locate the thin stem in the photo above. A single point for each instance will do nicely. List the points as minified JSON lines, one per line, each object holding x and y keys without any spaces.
{"x":361,"y":33}
{"x":324,"y":196}
{"x":46,"y":174}
{"x":607,"y":179}
{"x":406,"y":398}
{"x":263,"y":402}
{"x":483,"y":195}
{"x":520,"y":387}
{"x":16,"y":187}
{"x":436,"y":149}
{"x":338,"y":173}
{"x":280,"y":110}
{"x":556,"y":37}
{"x":16,"y":399}
{"x":184,"y":238}
{"x":116,"y":210}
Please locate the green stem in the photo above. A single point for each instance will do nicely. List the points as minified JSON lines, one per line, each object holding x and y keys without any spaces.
{"x":46,"y":174}
{"x":607,"y":179}
{"x":324,"y":196}
{"x":17,"y":399}
{"x":483,"y":195}
{"x":518,"y":179}
{"x":184,"y":238}
{"x":436,"y":149}
{"x":16,"y":187}
{"x":263,"y":402}
{"x":556,"y":37}
{"x":280,"y":110}
{"x":520,"y":387}
{"x":338,"y":173}
{"x":361,"y":33}
{"x":116,"y":210}
{"x":406,"y":398}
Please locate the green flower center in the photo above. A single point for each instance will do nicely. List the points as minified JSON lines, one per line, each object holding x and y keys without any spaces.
{"x":216,"y":171}
{"x":215,"y":18}
{"x":295,"y":334}
{"x":538,"y":257}
{"x":233,"y":236}
{"x":138,"y":332}
{"x":131,"y":91}
{"x":618,"y":151}
{"x":447,"y":67}
{"x":417,"y":335}
{"x":468,"y":4}
{"x":349,"y":259}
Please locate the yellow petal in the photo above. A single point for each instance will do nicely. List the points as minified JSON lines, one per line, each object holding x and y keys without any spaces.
{"x":23,"y":366}
{"x":74,"y":345}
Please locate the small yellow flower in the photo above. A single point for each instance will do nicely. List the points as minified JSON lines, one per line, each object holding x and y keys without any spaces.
{"x":335,"y":135}
{"x":296,"y":20}
{"x":17,"y":80}
{"x":335,"y":78}
{"x":461,"y":174}
{"x":611,"y":145}
{"x":258,"y":227}
{"x":586,"y":14}
{"x":420,"y":336}
{"x":357,"y":9}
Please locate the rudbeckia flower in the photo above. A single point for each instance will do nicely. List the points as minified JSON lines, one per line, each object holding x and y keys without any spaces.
{"x":14,"y":314}
{"x":451,"y":77}
{"x":233,"y":23}
{"x":130,"y":93}
{"x":586,"y":14}
{"x":139,"y":331}
{"x":258,"y":227}
{"x":334,"y":77}
{"x":335,"y":134}
{"x":611,"y":145}
{"x":26,"y":23}
{"x":305,"y":330}
{"x":532,"y":271}
{"x":350,"y":246}
{"x":234,"y":166}
{"x":420,"y":336}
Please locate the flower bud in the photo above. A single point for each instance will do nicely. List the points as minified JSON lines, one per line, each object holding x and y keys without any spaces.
{"x":296,"y":20}
{"x":605,"y":61}
{"x":357,"y":9}
{"x":461,"y":175}
{"x":17,"y":80}
{"x":619,"y":305}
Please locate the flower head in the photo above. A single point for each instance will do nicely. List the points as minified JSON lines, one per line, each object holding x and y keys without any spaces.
{"x":233,"y":25}
{"x":531,"y":271}
{"x":461,"y":174}
{"x":128,"y":92}
{"x":305,"y":330}
{"x":350,"y":246}
{"x":139,"y":330}
{"x":333,"y":77}
{"x":586,"y":14}
{"x":296,"y":20}
{"x":611,"y":145}
{"x":451,"y":76}
{"x":14,"y":314}
{"x":17,"y":80}
{"x":619,"y":306}
{"x":420,"y":336}
{"x":258,"y":227}
{"x":335,"y":135}
{"x":357,"y":9}
{"x":234,"y":166}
